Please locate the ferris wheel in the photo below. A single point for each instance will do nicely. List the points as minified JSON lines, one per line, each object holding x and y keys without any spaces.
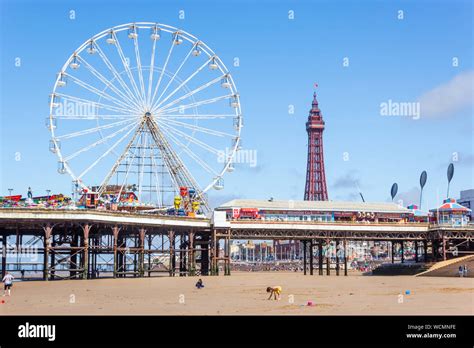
{"x":148,"y":107}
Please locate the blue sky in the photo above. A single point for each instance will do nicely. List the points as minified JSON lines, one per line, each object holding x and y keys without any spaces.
{"x":403,"y":60}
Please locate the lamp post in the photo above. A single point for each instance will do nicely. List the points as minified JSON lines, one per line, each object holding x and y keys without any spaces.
{"x":48,"y":192}
{"x":10,"y":190}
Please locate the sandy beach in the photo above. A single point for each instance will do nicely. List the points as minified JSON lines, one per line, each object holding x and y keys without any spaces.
{"x":244,"y":293}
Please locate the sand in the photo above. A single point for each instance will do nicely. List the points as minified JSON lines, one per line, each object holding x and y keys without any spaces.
{"x":244,"y":293}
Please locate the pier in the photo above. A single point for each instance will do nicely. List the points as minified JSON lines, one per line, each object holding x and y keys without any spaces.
{"x":86,"y":244}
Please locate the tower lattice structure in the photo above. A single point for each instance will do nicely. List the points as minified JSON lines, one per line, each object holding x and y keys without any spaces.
{"x":316,"y":189}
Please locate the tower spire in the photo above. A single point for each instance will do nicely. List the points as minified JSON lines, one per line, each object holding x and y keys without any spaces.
{"x":316,"y":189}
{"x":315,"y":100}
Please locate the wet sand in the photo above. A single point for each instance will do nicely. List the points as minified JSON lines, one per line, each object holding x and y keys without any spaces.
{"x":244,"y":293}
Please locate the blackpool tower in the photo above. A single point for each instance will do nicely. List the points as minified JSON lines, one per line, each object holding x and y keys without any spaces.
{"x":315,"y":189}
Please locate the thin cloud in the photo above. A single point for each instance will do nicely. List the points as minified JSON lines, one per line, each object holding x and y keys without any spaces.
{"x":412,"y":196}
{"x":448,"y":98}
{"x":346,"y":181}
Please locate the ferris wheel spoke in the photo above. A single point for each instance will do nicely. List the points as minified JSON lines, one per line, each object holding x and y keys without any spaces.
{"x":139,"y":68}
{"x":131,"y":97}
{"x":190,"y":138}
{"x":193,"y":105}
{"x":98,"y":92}
{"x":163,"y":69}
{"x":106,"y":153}
{"x":152,"y":71}
{"x":92,"y":130}
{"x":198,"y":128}
{"x":189,"y":78}
{"x":191,"y":154}
{"x":176,"y":73}
{"x":189,"y":94}
{"x":96,"y":104}
{"x":94,"y":117}
{"x":129,"y":72}
{"x":197,"y":116}
{"x":100,"y":141}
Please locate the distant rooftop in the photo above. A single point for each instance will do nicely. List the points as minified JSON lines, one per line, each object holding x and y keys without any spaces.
{"x":314,"y":205}
{"x":466,"y":194}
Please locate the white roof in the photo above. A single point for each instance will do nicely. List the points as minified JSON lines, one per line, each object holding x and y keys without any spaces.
{"x":381,"y":207}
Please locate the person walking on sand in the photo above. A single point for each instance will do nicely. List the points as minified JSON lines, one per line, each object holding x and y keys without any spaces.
{"x":464,"y":270}
{"x":275,"y":292}
{"x":460,"y":271}
{"x":8,"y":282}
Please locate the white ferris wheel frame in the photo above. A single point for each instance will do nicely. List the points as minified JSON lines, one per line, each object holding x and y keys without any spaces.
{"x":229,"y":160}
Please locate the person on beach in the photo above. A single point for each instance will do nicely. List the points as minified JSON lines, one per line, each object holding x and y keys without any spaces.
{"x":8,"y":282}
{"x":464,"y":270}
{"x":275,"y":292}
{"x":199,"y":284}
{"x":460,"y":271}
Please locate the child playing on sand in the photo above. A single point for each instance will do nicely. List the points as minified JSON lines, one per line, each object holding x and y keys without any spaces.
{"x":275,"y":292}
{"x":199,"y":284}
{"x":8,"y":282}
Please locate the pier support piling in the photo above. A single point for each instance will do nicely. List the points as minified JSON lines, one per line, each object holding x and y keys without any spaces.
{"x":345,"y":258}
{"x":320,"y":257}
{"x":304,"y":257}
{"x":172,"y":265}
{"x":85,"y":260}
{"x":328,"y":258}
{"x":48,"y":231}
{"x":4,"y":254}
{"x":141,"y":255}
{"x":403,"y":250}
{"x":416,"y":251}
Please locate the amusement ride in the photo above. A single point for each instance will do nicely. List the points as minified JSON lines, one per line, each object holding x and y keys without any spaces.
{"x":144,"y":115}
